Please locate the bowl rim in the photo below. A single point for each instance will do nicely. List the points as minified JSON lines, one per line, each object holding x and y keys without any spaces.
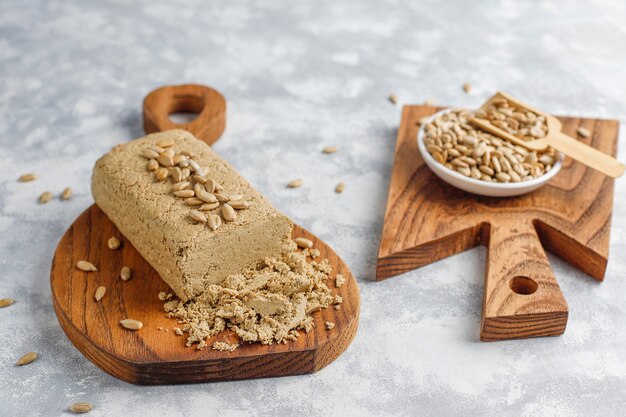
{"x":491,"y":185}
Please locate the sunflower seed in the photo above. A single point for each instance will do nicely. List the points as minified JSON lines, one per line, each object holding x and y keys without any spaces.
{"x":303,"y":242}
{"x":156,"y":148}
{"x":194,"y":165}
{"x":100,"y":291}
{"x":340,"y":187}
{"x":218,"y":187}
{"x":177,"y":174}
{"x":238,"y":204}
{"x":330,"y":149}
{"x":31,"y":176}
{"x":152,"y":165}
{"x":221,"y":197}
{"x":165,"y":143}
{"x":208,"y":206}
{"x":27,"y":358}
{"x":200,"y":179}
{"x":206,"y":197}
{"x":179,"y":158}
{"x":161,"y":174}
{"x":393,"y":99}
{"x":193,"y":201}
{"x":229,"y":213}
{"x":125,"y":273}
{"x":184,"y":193}
{"x":80,"y":408}
{"x":209,"y":185}
{"x":66,"y":194}
{"x":503,"y":177}
{"x":295,"y":183}
{"x":131,"y":324}
{"x":169,"y":152}
{"x":150,"y":154}
{"x":583,"y":132}
{"x":214,"y":221}
{"x":86,"y":266}
{"x":186,"y":173}
{"x":45,"y":197}
{"x":467,"y":87}
{"x":5,"y":302}
{"x":165,"y":160}
{"x":179,"y":186}
{"x":113,"y":243}
{"x":197,"y":216}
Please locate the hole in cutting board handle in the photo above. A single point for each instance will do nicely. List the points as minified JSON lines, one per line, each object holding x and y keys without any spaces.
{"x":185,"y":108}
{"x":523,"y":285}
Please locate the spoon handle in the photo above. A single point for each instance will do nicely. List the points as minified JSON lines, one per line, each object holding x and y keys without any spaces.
{"x":587,"y":155}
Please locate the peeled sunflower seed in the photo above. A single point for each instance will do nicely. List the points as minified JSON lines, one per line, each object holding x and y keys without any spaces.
{"x":303,"y":242}
{"x":330,"y":149}
{"x":177,"y":174}
{"x":86,"y":266}
{"x":150,"y":154}
{"x":583,"y":132}
{"x":228,"y":213}
{"x":80,"y":408}
{"x":340,"y":187}
{"x":179,"y":186}
{"x":125,"y":273}
{"x":66,"y":194}
{"x":238,"y":204}
{"x":214,"y":221}
{"x":193,"y":201}
{"x":113,"y":243}
{"x":197,"y":216}
{"x":184,"y":193}
{"x":152,"y":165}
{"x":206,"y":197}
{"x":131,"y":324}
{"x":100,"y":291}
{"x":26,"y":359}
{"x":295,"y":183}
{"x":165,"y":143}
{"x":45,"y":197}
{"x":165,"y":160}
{"x":5,"y":302}
{"x":31,"y":176}
{"x":161,"y":174}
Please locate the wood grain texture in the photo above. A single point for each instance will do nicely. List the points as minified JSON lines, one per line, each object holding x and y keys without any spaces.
{"x":152,"y":356}
{"x":208,"y":103}
{"x":427,"y":220}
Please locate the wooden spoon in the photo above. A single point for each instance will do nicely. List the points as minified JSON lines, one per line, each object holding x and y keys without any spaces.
{"x":555,"y":138}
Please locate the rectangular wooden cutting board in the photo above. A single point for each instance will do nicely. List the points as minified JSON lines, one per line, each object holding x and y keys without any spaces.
{"x":427,"y":220}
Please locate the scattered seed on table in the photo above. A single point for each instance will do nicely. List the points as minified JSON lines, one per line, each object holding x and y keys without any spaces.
{"x":330,"y":149}
{"x":131,"y":324}
{"x":31,"y":176}
{"x":125,"y":273}
{"x":66,"y":194}
{"x":26,"y":359}
{"x":45,"y":197}
{"x":303,"y":242}
{"x":467,"y":87}
{"x":295,"y":183}
{"x":340,"y":187}
{"x":583,"y":132}
{"x":393,"y":99}
{"x":100,"y":291}
{"x":80,"y":408}
{"x":5,"y":302}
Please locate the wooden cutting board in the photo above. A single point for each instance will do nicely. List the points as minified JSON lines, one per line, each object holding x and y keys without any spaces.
{"x":427,"y":220}
{"x":155,"y":356}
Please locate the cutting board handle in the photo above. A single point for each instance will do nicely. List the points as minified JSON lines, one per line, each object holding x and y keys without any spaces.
{"x":522,"y":298}
{"x":208,"y":103}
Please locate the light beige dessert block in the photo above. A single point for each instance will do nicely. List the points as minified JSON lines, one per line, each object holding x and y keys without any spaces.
{"x":187,"y":254}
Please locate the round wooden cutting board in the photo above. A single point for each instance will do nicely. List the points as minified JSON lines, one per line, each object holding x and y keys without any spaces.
{"x":153,"y":356}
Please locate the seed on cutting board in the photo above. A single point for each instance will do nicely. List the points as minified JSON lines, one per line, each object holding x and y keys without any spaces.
{"x":45,"y":197}
{"x":165,"y":143}
{"x":197,"y":216}
{"x":228,"y":213}
{"x":467,"y":87}
{"x":31,"y":176}
{"x":303,"y":242}
{"x":330,"y":149}
{"x":125,"y":273}
{"x":583,"y":132}
{"x":100,"y":291}
{"x":26,"y":359}
{"x":150,"y":154}
{"x":80,"y":408}
{"x":295,"y":183}
{"x":131,"y":324}
{"x":393,"y":99}
{"x":184,"y":193}
{"x":113,"y":243}
{"x":161,"y":174}
{"x":86,"y":266}
{"x":5,"y":302}
{"x":214,"y":221}
{"x":340,"y":187}
{"x":66,"y":194}
{"x":152,"y":165}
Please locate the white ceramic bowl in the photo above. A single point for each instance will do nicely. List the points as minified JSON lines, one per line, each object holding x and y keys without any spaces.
{"x":471,"y":185}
